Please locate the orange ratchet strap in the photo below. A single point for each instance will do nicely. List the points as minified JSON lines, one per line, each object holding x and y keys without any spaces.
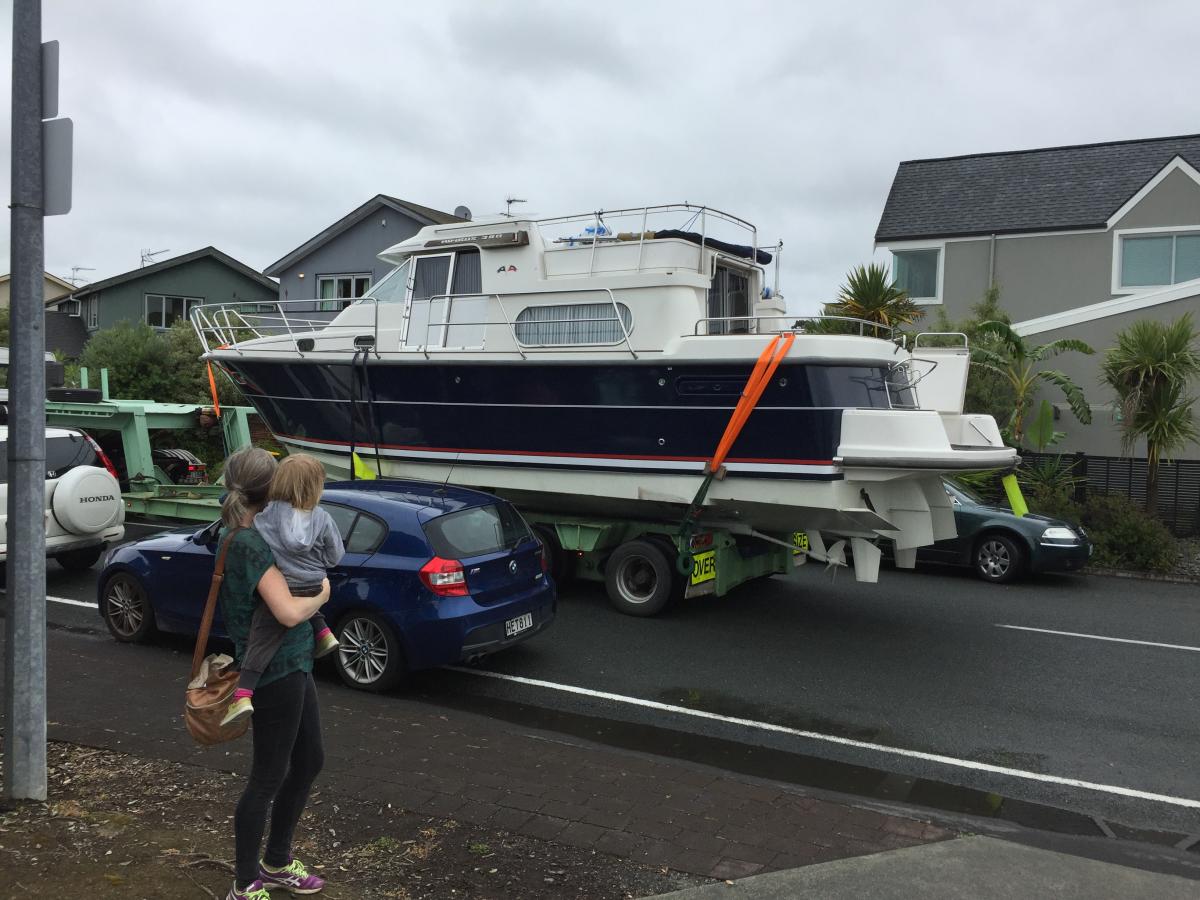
{"x":768,"y":362}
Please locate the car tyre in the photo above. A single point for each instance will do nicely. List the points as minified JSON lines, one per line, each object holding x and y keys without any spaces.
{"x":126,"y":609}
{"x":998,"y":558}
{"x":370,"y":657}
{"x":639,"y":578}
{"x":78,"y":560}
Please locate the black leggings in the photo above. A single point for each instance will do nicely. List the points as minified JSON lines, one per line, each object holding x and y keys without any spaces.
{"x":287,"y":757}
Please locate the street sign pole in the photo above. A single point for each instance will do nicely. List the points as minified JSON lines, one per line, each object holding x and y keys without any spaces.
{"x":25,"y":615}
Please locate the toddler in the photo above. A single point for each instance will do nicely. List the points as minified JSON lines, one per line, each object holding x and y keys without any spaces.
{"x":305,"y":542}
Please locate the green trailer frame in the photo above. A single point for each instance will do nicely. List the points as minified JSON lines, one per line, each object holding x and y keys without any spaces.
{"x":150,"y":491}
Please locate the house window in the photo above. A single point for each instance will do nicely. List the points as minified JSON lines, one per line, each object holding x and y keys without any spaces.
{"x":336,"y":291}
{"x":1159,"y":259}
{"x":164,"y":310}
{"x":93,"y":312}
{"x":576,"y":323}
{"x":916,"y":272}
{"x":70,"y":307}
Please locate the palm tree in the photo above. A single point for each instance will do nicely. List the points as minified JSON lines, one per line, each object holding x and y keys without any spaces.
{"x":1016,"y":361}
{"x":1150,"y":371}
{"x":870,"y":293}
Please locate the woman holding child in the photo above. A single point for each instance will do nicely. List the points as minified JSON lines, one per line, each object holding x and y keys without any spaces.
{"x":269,"y":614}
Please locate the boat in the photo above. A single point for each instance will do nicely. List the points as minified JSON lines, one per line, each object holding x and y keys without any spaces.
{"x":592,"y":364}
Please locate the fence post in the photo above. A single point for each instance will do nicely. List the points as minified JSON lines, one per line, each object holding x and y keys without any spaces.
{"x":1081,"y":471}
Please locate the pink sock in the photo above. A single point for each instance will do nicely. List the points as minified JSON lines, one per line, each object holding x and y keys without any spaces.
{"x":239,"y":693}
{"x":321,"y":634}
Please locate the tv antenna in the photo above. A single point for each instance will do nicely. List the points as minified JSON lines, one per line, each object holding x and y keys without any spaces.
{"x":148,"y":256}
{"x":509,"y":201}
{"x":75,"y":270}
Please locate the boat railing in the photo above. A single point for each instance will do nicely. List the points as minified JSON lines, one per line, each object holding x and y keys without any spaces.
{"x":225,"y":326}
{"x":643,"y":220}
{"x":753,"y":325}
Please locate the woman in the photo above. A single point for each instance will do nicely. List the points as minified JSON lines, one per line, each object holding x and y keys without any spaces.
{"x":288,"y":752}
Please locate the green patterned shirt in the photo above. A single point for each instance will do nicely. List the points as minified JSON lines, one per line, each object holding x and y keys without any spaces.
{"x":248,"y":560}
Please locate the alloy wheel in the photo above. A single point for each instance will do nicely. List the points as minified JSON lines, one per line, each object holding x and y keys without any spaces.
{"x":126,"y":610}
{"x":363,"y":653}
{"x":994,"y":559}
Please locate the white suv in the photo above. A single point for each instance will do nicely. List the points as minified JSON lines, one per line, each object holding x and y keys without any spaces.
{"x":84,"y":509}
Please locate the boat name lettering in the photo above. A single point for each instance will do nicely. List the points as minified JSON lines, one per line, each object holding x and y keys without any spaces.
{"x":503,"y":269}
{"x":495,"y":239}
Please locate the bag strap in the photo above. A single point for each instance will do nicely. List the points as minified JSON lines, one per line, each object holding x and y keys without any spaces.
{"x":210,"y":607}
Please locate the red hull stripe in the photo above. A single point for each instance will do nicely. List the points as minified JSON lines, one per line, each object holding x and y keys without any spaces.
{"x":368,"y":445}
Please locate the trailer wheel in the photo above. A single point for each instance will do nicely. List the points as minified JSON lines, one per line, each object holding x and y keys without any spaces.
{"x":640,"y":578}
{"x":557,"y":560}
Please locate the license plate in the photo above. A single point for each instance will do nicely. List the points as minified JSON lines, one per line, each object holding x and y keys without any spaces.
{"x":704,"y":566}
{"x":517,"y":625}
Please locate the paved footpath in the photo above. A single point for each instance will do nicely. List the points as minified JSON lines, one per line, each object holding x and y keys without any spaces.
{"x":447,"y":763}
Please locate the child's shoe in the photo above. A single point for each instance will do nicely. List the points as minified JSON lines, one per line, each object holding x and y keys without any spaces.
{"x":326,"y":644}
{"x":255,"y":891}
{"x":239,"y":708}
{"x":293,"y":878}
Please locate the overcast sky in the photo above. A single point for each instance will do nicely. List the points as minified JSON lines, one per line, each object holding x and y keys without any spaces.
{"x":253,"y":125}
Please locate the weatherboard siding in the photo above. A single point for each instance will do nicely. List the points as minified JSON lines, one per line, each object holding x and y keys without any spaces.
{"x":356,"y":249}
{"x":1103,"y":436}
{"x":205,"y":278}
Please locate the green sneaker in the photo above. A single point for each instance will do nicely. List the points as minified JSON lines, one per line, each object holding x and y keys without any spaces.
{"x":238,"y":710}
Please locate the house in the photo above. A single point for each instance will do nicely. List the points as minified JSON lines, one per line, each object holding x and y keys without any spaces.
{"x":65,"y":334}
{"x":1081,"y":241}
{"x":341,"y":262}
{"x":52,"y":288}
{"x":163,"y":293}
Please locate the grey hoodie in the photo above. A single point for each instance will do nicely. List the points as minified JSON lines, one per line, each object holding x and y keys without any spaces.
{"x":305,"y":542}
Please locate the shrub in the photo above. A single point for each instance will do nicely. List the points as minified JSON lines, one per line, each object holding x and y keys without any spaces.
{"x":1125,"y":537}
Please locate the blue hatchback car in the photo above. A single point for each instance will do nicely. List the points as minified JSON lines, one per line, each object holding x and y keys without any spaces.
{"x":432,"y":575}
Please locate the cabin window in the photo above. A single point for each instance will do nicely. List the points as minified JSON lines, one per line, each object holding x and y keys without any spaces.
{"x":446,"y":309}
{"x":728,"y":299}
{"x":576,"y":323}
{"x":164,"y":311}
{"x":393,"y":287}
{"x":336,"y":291}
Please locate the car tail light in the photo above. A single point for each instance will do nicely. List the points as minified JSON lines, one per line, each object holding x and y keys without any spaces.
{"x":194,"y":468}
{"x":103,"y":457}
{"x":542,"y":558}
{"x":445,"y":577}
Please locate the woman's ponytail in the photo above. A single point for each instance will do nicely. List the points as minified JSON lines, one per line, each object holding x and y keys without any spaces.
{"x":248,"y":474}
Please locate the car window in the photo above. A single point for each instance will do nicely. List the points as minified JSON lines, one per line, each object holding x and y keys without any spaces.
{"x":367,"y":535}
{"x":343,"y":517}
{"x":66,"y":453}
{"x":476,"y":531}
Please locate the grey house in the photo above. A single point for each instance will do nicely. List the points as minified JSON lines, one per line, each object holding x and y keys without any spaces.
{"x":1081,"y":241}
{"x":165,"y":292}
{"x":341,"y":262}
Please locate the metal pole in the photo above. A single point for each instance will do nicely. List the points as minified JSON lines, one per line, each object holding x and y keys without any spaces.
{"x":25,"y":615}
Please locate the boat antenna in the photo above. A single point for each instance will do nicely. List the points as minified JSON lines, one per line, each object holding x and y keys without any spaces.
{"x":509,"y":201}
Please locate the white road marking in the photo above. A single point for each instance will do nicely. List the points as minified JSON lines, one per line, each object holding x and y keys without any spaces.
{"x":70,"y":602}
{"x":841,"y":741}
{"x":1100,"y":637}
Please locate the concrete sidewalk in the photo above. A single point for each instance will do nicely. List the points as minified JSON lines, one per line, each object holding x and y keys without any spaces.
{"x":981,"y":868}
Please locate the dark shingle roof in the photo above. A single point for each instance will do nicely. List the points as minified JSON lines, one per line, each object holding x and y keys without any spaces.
{"x":1053,"y":189}
{"x":422,"y":215}
{"x":134,"y":274}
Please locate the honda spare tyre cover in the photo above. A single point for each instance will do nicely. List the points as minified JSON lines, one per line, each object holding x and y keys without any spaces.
{"x":87,"y":500}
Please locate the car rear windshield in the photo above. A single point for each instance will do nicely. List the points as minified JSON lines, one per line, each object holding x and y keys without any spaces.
{"x":476,"y":531}
{"x":62,"y":454}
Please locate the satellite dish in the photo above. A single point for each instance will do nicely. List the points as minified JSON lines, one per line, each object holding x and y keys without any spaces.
{"x":463,"y":212}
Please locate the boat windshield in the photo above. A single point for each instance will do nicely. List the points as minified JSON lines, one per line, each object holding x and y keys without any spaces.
{"x":391,"y":288}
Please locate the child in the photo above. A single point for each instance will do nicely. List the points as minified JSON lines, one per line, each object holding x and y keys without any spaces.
{"x":305,"y":542}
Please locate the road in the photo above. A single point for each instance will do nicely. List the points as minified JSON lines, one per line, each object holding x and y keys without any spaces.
{"x":1075,"y":692}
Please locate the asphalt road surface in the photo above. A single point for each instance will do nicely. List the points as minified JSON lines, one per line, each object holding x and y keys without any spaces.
{"x":1075,"y":692}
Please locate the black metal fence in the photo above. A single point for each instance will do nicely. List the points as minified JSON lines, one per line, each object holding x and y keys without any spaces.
{"x":1178,"y":484}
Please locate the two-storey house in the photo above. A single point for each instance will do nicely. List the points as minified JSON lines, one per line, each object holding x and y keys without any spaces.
{"x":1081,"y":241}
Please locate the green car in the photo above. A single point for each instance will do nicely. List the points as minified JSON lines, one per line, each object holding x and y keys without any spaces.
{"x":1000,"y":546}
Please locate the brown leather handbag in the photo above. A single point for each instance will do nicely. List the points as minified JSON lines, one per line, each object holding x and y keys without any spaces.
{"x":214,"y":679}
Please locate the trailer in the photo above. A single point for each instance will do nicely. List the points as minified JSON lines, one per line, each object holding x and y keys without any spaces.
{"x":645,"y":565}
